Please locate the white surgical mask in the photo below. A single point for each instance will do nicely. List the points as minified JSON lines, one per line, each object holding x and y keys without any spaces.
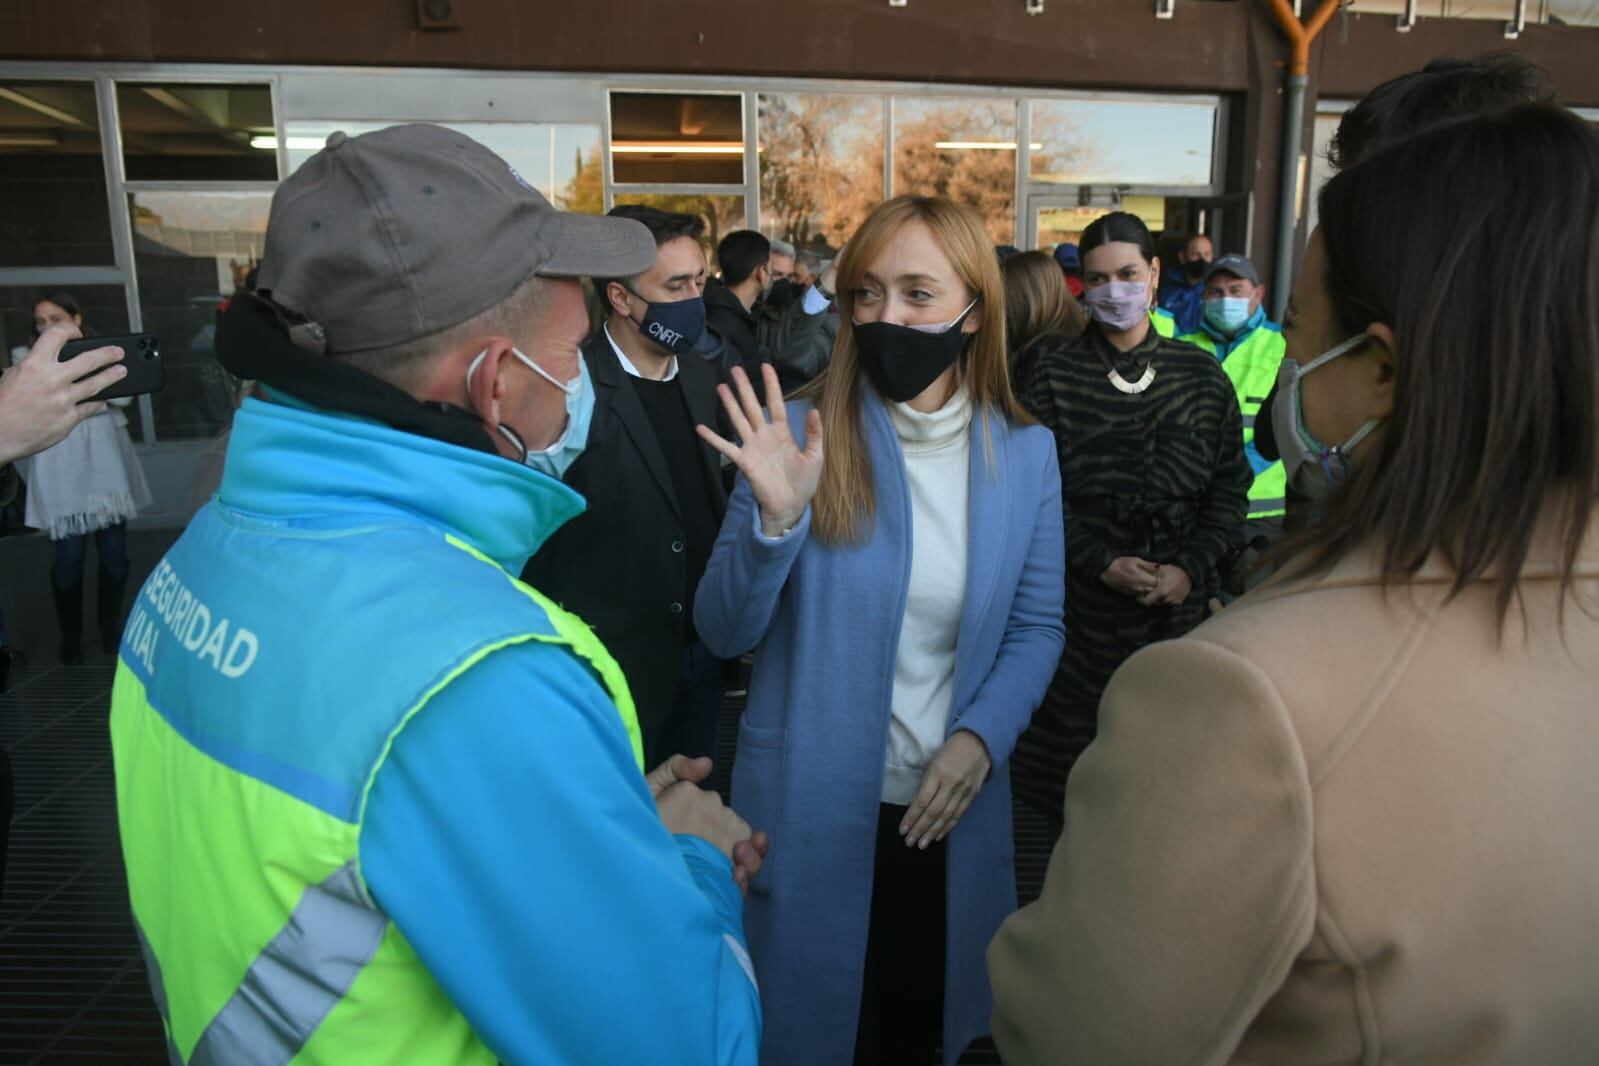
{"x":558,"y":457}
{"x":1313,"y":468}
{"x":1228,"y":314}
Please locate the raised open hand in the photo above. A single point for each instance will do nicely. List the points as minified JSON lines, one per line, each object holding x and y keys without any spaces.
{"x":782,"y":477}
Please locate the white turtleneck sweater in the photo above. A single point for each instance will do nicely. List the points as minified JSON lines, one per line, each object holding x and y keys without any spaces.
{"x":937,"y":450}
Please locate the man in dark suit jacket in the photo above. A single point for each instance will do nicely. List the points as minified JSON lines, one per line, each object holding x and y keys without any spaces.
{"x":744,"y":256}
{"x":759,"y":320}
{"x":629,"y":566}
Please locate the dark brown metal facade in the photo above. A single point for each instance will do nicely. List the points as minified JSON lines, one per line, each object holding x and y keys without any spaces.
{"x":1227,"y":46}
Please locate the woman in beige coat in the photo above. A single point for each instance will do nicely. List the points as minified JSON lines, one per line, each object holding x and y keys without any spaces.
{"x":1355,"y":818}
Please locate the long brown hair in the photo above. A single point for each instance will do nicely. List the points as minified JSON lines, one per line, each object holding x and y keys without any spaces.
{"x":1038,"y":305}
{"x":1491,"y":290}
{"x":68,"y":303}
{"x":845,"y":506}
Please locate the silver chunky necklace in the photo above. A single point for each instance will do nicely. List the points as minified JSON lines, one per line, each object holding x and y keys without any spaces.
{"x":1132,"y":388}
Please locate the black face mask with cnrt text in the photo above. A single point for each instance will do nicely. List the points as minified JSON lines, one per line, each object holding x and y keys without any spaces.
{"x":904,"y":360}
{"x":1195,"y":268}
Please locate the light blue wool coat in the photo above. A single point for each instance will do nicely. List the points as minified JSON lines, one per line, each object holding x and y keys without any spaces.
{"x":824,"y":623}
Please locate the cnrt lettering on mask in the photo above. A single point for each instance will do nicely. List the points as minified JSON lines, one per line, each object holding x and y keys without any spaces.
{"x":669,"y":338}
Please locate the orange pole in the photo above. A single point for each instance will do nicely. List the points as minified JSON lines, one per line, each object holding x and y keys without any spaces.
{"x":1300,"y":34}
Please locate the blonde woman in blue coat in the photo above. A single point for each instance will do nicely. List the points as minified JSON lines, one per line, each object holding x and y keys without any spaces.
{"x":893,"y":555}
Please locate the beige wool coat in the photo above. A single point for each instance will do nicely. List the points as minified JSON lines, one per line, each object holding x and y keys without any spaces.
{"x":1332,"y":825}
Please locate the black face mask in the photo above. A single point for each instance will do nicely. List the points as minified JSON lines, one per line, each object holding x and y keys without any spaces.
{"x":1195,"y":268}
{"x":904,"y":360}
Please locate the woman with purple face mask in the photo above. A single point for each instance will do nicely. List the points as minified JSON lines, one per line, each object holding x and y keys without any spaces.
{"x":1155,"y":487}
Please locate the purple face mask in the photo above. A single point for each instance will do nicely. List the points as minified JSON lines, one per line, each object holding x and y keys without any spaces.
{"x":1118,"y":305}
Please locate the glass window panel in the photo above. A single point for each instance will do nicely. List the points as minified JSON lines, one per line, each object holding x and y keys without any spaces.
{"x":821,"y":165}
{"x":962,"y":149}
{"x":677,"y":138}
{"x":1123,"y":142}
{"x":192,"y":251}
{"x":561,"y":161}
{"x":53,"y":207}
{"x":1059,"y":223}
{"x":105,"y":313}
{"x":188,"y":132}
{"x":1321,"y":171}
{"x":722,"y":214}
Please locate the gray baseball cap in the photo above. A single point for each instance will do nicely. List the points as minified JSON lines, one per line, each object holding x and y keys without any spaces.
{"x":404,"y":232}
{"x":1236,"y":265}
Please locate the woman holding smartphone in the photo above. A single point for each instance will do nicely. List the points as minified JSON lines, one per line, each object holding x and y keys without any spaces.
{"x":89,"y":484}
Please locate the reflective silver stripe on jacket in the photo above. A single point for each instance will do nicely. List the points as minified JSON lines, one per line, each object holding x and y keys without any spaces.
{"x":1258,"y":507}
{"x":158,"y":990}
{"x":297,"y":979}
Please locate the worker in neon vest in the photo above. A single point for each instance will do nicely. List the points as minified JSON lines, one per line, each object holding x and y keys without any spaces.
{"x":380,"y":801}
{"x":1250,"y":347}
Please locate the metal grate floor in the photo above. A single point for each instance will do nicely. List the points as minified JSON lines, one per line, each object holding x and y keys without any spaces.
{"x":72,"y":983}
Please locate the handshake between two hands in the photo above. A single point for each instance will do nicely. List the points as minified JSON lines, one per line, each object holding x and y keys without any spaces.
{"x":690,"y":810}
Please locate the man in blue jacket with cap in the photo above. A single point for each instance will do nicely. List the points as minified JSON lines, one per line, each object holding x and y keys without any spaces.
{"x":379,"y":800}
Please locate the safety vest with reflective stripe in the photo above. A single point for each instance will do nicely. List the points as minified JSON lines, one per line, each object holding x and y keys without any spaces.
{"x":1164,"y":322}
{"x":1251,"y":363}
{"x":267,"y":667}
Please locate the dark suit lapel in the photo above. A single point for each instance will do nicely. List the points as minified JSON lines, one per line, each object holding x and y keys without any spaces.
{"x":629,"y":411}
{"x":699,"y":393}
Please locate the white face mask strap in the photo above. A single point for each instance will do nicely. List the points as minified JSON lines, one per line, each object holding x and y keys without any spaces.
{"x":1360,"y":434}
{"x":472,"y":369}
{"x":568,"y":387}
{"x":505,"y":430}
{"x":945,"y":327}
{"x":1348,"y":346}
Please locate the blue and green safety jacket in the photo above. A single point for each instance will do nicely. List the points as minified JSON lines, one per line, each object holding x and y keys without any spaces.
{"x":380,"y":801}
{"x":1251,"y":360}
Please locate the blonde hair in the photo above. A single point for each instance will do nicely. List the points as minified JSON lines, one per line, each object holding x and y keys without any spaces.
{"x":1037,"y":301}
{"x":845,"y":506}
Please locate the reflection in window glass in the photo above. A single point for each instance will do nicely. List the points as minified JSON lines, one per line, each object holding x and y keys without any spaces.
{"x":1057,"y":224}
{"x":53,"y":209}
{"x":188,"y":132}
{"x":722,"y":214}
{"x":962,"y":149}
{"x":1123,"y":142}
{"x":561,"y":161}
{"x":821,"y":165}
{"x":677,"y":138}
{"x":105,"y":313}
{"x":192,"y":251}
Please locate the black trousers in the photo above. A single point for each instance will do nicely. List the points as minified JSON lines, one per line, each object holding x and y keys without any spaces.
{"x":902,"y":997}
{"x":691,"y":728}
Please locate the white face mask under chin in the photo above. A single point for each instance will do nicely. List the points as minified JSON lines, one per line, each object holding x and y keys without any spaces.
{"x":1312,"y":468}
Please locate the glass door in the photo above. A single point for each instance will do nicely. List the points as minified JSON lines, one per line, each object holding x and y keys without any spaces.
{"x":1059,"y":216}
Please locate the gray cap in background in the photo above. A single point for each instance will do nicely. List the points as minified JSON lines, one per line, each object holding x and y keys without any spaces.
{"x":404,"y":232}
{"x":1235,"y":265}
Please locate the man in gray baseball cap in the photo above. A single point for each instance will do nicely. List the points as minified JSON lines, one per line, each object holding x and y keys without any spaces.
{"x":381,"y":801}
{"x":1235,"y":330}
